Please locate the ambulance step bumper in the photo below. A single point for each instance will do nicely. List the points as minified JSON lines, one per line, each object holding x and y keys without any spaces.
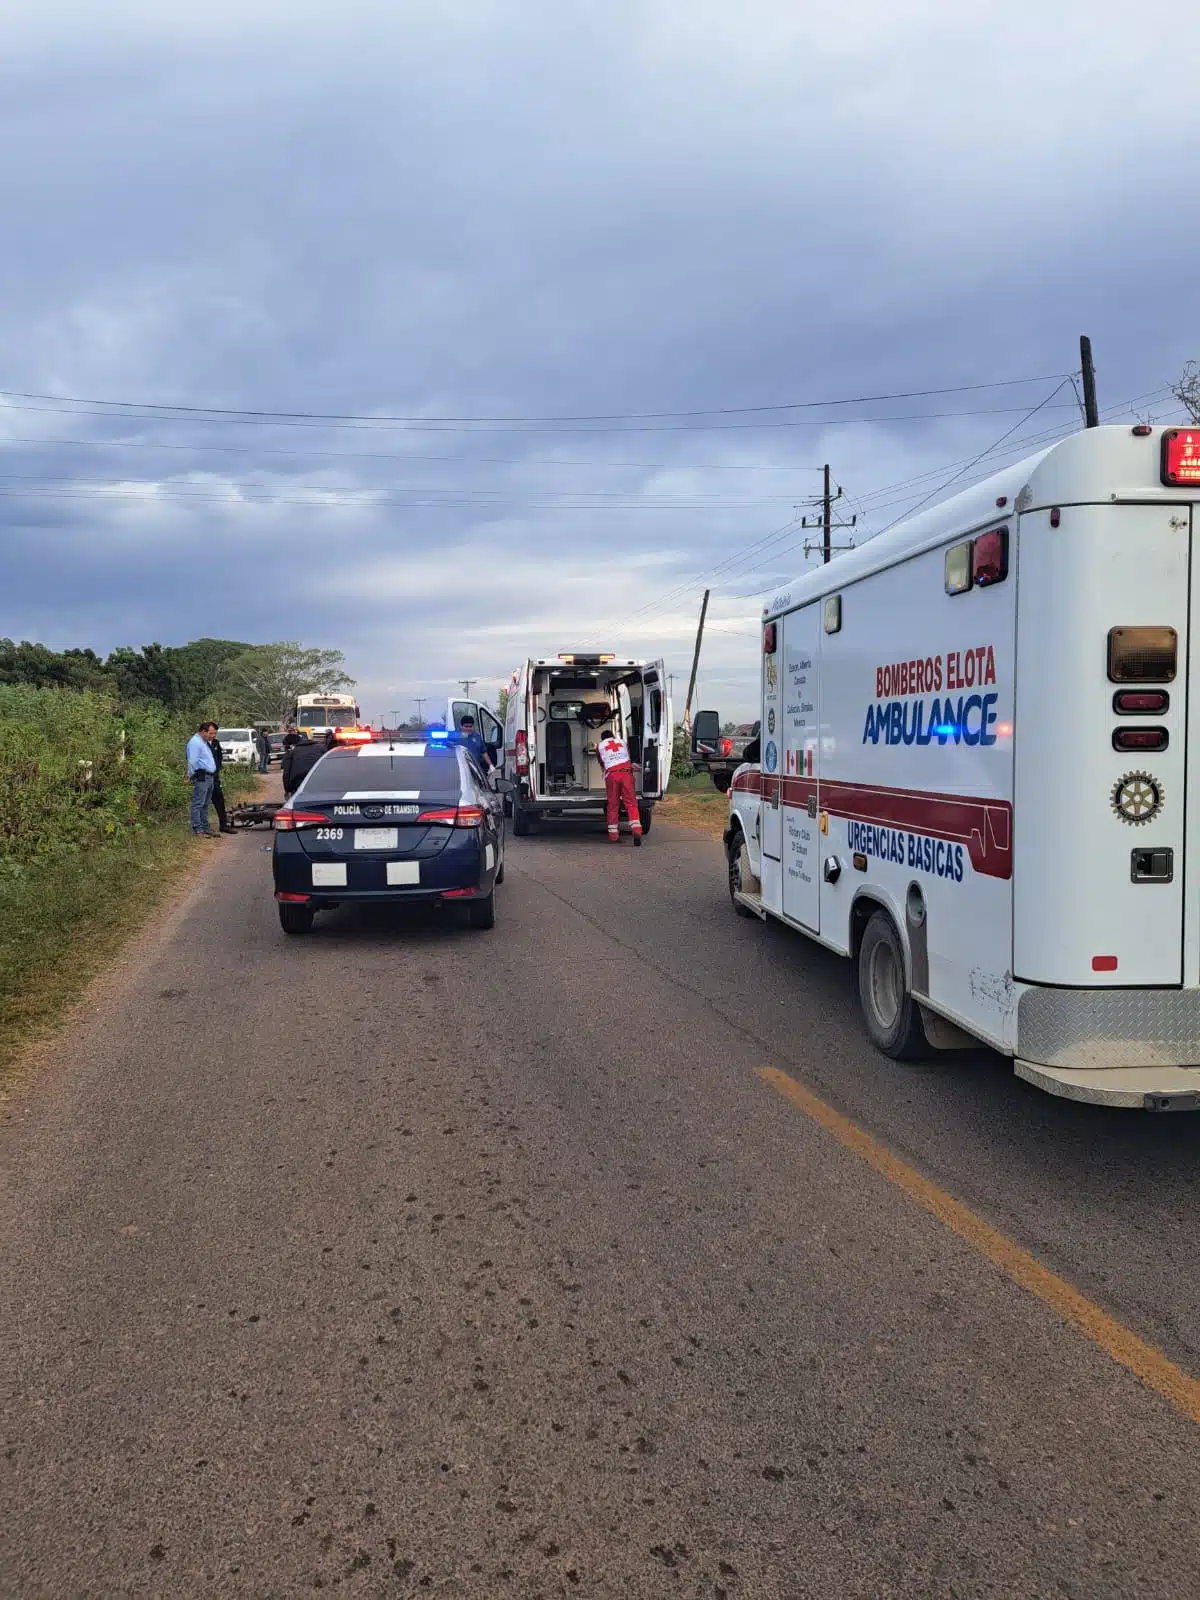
{"x":752,"y":902}
{"x":1137,"y":1088}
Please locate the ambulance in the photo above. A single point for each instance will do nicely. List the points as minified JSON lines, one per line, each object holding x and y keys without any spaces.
{"x":980,"y":770}
{"x":556,"y":710}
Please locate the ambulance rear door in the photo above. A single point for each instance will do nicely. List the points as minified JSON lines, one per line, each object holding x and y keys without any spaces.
{"x":656,"y":731}
{"x":770,"y":739}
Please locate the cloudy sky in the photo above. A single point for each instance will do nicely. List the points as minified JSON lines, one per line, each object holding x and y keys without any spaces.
{"x":536,"y":296}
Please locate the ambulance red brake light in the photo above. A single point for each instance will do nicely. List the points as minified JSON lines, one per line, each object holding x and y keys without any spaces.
{"x":1142,"y":655}
{"x":1181,"y":457}
{"x":769,"y":632}
{"x":1141,"y":702}
{"x":989,"y":558}
{"x":1140,"y":739}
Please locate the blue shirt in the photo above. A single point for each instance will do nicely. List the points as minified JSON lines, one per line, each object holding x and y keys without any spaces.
{"x":474,"y":743}
{"x":199,"y":756}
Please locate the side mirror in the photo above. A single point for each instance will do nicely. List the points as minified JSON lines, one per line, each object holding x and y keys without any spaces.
{"x":504,"y":786}
{"x":706,"y":730}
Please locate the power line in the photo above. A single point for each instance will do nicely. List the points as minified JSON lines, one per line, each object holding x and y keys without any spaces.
{"x":518,"y":429}
{"x":612,"y":416}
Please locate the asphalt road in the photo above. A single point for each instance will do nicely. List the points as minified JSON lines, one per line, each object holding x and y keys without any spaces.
{"x":414,"y":1260}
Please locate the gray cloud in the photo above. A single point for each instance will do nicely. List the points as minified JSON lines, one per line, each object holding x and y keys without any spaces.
{"x":487,"y":210}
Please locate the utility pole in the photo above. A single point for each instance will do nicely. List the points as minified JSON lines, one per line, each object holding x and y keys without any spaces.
{"x":1091,"y":414}
{"x":687,"y":710}
{"x":466,"y":683}
{"x":826,"y":523}
{"x":419,"y":700}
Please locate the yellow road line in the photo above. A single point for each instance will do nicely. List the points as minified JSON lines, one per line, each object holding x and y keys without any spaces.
{"x":1138,"y":1357}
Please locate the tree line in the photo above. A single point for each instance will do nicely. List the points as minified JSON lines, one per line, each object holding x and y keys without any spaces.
{"x":228,"y":679}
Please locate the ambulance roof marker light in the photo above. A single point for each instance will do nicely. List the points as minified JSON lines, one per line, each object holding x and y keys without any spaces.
{"x":1141,"y":430}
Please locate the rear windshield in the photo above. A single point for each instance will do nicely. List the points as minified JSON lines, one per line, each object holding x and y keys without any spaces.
{"x":343,"y":770}
{"x":234,"y":735}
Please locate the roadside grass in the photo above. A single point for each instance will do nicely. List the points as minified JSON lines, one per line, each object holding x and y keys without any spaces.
{"x":692,"y":802}
{"x":65,"y":917}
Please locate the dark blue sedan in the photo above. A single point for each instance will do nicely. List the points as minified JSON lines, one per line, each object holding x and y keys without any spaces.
{"x":390,"y":821}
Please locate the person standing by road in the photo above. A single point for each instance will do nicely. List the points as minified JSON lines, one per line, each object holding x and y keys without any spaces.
{"x":218,"y":794}
{"x":202,"y":771}
{"x":613,"y":755}
{"x":264,"y":750}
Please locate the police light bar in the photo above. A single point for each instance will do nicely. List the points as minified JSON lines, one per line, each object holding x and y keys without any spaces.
{"x":1181,"y":457}
{"x":438,"y":733}
{"x":575,"y":660}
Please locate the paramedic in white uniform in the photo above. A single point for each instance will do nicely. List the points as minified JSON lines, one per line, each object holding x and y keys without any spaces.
{"x":613,"y":754}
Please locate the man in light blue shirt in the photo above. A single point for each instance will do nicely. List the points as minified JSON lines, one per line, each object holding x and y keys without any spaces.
{"x":202,"y":771}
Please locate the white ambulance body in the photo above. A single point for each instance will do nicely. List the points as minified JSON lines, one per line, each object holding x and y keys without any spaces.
{"x":558,"y":708}
{"x":980,"y":767}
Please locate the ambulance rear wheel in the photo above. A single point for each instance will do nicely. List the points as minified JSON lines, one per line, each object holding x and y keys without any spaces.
{"x":739,"y":867}
{"x":892,"y":1016}
{"x":645,"y":816}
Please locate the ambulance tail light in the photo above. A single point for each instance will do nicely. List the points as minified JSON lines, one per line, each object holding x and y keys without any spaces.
{"x":769,"y":638}
{"x":1181,"y":457}
{"x":522,"y":750}
{"x":1139,"y":739}
{"x":989,"y":558}
{"x":1141,"y":702}
{"x":726,"y":747}
{"x":1142,"y":655}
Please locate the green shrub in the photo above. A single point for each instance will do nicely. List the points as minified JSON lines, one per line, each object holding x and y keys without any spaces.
{"x":75,"y":772}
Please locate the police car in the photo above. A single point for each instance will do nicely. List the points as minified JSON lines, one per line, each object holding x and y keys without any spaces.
{"x":390,"y":820}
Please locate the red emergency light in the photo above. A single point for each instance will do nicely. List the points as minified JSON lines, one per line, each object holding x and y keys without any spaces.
{"x":1181,"y":457}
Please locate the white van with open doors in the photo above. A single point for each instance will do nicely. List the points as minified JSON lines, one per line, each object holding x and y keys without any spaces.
{"x":557,"y":709}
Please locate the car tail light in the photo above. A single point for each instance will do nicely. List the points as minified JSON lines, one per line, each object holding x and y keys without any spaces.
{"x":1139,"y":738}
{"x":1142,"y":655}
{"x":1141,"y":702}
{"x":989,"y":558}
{"x":292,"y":899}
{"x":455,"y":816}
{"x":522,"y":751}
{"x":1181,"y":457}
{"x":289,"y":821}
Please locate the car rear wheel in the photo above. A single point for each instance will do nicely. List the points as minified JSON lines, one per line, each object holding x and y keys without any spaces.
{"x":294,"y":918}
{"x":522,"y":821}
{"x":892,"y":1016}
{"x":482,"y":913}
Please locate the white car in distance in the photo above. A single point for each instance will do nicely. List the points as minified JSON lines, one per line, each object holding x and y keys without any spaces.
{"x":237,"y":746}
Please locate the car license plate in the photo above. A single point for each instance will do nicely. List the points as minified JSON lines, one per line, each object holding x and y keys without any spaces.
{"x":376,"y":838}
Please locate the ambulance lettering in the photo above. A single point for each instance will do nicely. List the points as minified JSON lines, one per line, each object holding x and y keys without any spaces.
{"x":939,"y":715}
{"x":941,"y":857}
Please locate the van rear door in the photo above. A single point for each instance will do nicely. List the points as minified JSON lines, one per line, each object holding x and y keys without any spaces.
{"x":657,"y":732}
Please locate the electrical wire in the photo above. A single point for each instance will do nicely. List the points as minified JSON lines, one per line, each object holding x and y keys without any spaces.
{"x":612,"y":416}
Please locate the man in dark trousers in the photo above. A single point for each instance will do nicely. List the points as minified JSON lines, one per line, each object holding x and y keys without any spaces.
{"x":218,"y":794}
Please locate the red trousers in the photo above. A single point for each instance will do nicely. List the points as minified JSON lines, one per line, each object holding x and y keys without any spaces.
{"x":618,"y":785}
